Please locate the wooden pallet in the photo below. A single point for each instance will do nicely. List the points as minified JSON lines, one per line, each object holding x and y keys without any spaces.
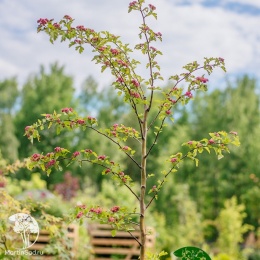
{"x":104,"y":246}
{"x":44,"y":238}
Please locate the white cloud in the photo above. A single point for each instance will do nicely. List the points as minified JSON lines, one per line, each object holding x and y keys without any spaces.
{"x":255,"y":3}
{"x":189,"y":33}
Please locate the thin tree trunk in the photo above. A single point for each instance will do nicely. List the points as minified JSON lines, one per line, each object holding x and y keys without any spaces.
{"x":143,"y":187}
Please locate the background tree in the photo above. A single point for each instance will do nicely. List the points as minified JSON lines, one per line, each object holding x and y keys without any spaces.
{"x":235,"y":107}
{"x":231,"y":228}
{"x":173,"y":137}
{"x":8,"y":141}
{"x":46,"y":91}
{"x":109,"y":108}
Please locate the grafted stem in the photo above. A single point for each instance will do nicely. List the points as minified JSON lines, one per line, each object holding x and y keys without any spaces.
{"x":143,"y":184}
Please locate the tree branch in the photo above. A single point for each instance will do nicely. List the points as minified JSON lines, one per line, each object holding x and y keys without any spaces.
{"x":166,"y":175}
{"x":135,"y":238}
{"x":100,"y":164}
{"x":149,"y":60}
{"x":117,"y":143}
{"x":156,"y":137}
{"x":4,"y":242}
{"x":177,"y":82}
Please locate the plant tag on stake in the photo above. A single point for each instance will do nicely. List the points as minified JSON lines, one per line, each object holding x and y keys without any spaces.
{"x":191,"y":253}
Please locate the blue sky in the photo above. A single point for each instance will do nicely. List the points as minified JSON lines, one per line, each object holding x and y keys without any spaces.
{"x":242,"y":7}
{"x":192,"y":29}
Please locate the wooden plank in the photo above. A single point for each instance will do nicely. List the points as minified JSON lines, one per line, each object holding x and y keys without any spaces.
{"x":114,"y":250}
{"x":113,"y":241}
{"x":43,"y":257}
{"x":104,"y":227}
{"x":107,"y":233}
{"x":37,"y":246}
{"x":43,"y":239}
{"x":44,"y":232}
{"x":102,"y":258}
{"x":104,"y":245}
{"x":99,"y":226}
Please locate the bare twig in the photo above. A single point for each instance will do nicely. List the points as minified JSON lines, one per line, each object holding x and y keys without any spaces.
{"x":100,"y":164}
{"x":156,"y":137}
{"x":135,"y":238}
{"x":117,"y":143}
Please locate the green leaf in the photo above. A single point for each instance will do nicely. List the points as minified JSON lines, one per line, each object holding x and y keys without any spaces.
{"x":236,"y":141}
{"x":196,"y":162}
{"x":220,"y":156}
{"x":154,"y":15}
{"x":31,"y":139}
{"x":71,"y":44}
{"x":207,"y":149}
{"x":163,"y":253}
{"x":113,"y":233}
{"x":48,"y":172}
{"x":200,"y":150}
{"x":58,"y":129}
{"x":43,"y":167}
